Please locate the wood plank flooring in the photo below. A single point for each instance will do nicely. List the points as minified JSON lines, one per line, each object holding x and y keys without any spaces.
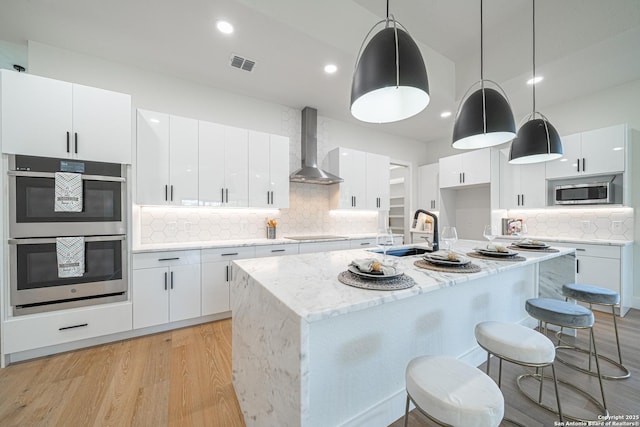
{"x":183,"y":378}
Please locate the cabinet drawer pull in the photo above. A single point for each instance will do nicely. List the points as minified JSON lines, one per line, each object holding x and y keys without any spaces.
{"x":172,"y":280}
{"x":580,"y":250}
{"x":168,"y":259}
{"x":365,"y":243}
{"x":229,"y":254}
{"x":68,"y":146}
{"x":82,"y":325}
{"x":75,"y":136}
{"x":277,"y":250}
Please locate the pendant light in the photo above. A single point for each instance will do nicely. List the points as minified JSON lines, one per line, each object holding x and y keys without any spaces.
{"x":484,"y":118}
{"x":537,"y":140}
{"x":390,"y":79}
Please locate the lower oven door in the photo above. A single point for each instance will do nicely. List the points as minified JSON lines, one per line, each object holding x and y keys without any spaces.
{"x":35,"y":284}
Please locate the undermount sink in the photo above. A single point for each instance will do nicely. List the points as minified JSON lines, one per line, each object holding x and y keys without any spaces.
{"x":401,"y":252}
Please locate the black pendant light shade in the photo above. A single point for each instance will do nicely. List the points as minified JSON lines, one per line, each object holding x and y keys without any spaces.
{"x":537,"y":141}
{"x":390,"y":80}
{"x":483,"y":120}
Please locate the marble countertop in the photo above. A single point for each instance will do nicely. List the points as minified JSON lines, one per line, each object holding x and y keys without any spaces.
{"x":158,"y":247}
{"x":308,"y":283}
{"x":570,"y":240}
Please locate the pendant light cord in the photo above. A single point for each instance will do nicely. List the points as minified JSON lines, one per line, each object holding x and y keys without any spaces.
{"x":484,"y":101}
{"x":533,"y":115}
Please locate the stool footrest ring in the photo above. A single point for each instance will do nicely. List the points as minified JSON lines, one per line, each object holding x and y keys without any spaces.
{"x":588,"y":396}
{"x":567,"y":346}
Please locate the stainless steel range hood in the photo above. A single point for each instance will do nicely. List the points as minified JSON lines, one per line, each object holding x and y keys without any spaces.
{"x":310,"y":173}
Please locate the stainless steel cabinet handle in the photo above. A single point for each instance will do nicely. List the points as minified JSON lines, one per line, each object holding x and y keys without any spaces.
{"x":165,"y":281}
{"x":226,"y":193}
{"x":166,"y":192}
{"x":172,"y":192}
{"x":578,"y":165}
{"x":522,"y":198}
{"x":577,"y":266}
{"x":463,"y":178}
{"x":518,"y":200}
{"x":222,"y":195}
{"x":268,"y":201}
{"x":277,"y":250}
{"x":272,"y":197}
{"x":68,"y":146}
{"x":227,"y":279}
{"x":81,"y":325}
{"x":584,"y":165}
{"x":172,"y":280}
{"x":75,"y":135}
{"x":230,"y":253}
{"x":168,"y":259}
{"x":580,"y":250}
{"x":365,"y":243}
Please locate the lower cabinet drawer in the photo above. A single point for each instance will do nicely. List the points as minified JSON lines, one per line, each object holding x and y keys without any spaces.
{"x":45,"y":329}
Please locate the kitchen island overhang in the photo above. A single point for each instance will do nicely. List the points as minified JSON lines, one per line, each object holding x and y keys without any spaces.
{"x":311,"y":351}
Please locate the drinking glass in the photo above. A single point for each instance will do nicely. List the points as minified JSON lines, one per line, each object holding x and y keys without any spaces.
{"x":449,"y":236}
{"x":384,"y":239}
{"x":489,"y":233}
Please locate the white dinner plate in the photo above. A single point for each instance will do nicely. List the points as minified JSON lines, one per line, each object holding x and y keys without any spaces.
{"x":435,"y":259}
{"x":355,"y":270}
{"x":487,"y":252}
{"x":531,"y":245}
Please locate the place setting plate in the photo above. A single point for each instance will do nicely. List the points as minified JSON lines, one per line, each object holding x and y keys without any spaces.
{"x":506,"y":253}
{"x":376,"y":280}
{"x":373,"y":274}
{"x":443,"y":259}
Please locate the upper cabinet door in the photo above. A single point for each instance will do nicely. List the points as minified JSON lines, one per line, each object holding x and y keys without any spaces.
{"x":36,"y":115}
{"x":428,"y":187}
{"x":183,"y":161}
{"x":259,"y":179}
{"x":510,"y":193}
{"x":450,"y":171}
{"x":211,"y":164}
{"x":236,"y":153}
{"x":378,"y":181}
{"x":279,"y":171}
{"x":603,"y":150}
{"x":476,"y":167}
{"x":567,"y":165}
{"x":152,"y":160}
{"x":532,"y":186}
{"x":350,"y":165}
{"x":101,"y":125}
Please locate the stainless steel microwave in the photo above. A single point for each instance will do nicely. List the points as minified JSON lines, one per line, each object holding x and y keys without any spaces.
{"x":591,"y":193}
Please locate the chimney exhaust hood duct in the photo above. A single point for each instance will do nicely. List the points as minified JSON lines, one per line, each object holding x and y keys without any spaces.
{"x":310,"y":173}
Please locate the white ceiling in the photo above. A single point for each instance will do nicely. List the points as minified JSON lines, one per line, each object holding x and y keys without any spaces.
{"x":583,"y":46}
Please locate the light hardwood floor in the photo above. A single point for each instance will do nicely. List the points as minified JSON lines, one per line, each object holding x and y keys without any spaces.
{"x":183,"y":377}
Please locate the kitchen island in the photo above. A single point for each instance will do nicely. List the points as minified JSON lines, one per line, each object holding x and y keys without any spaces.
{"x":311,"y":351}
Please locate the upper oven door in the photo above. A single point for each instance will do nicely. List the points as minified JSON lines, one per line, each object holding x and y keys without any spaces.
{"x":31,"y":206}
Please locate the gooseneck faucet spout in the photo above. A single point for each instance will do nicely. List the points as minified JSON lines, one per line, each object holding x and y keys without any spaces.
{"x":435,"y":244}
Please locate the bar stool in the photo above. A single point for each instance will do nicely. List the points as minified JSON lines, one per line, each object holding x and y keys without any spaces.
{"x":522,"y":346}
{"x":567,"y":315}
{"x":452,"y":393}
{"x":594,"y":295}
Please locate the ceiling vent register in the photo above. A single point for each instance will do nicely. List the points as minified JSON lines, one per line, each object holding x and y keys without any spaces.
{"x":238,"y":61}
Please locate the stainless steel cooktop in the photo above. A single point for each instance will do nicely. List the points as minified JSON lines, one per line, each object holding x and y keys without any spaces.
{"x":317,"y":237}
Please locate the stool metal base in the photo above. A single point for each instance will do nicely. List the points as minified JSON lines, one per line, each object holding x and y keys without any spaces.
{"x":406,"y":413}
{"x":538,"y":399}
{"x":566,"y":346}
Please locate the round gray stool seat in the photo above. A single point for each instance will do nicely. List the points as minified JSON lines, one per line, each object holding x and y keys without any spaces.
{"x":591,"y":294}
{"x":453,"y":392}
{"x":559,"y":313}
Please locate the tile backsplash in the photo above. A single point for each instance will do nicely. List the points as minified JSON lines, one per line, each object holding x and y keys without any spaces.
{"x":581,"y":223}
{"x":308,"y":213}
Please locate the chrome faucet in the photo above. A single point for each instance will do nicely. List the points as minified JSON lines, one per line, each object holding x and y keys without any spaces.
{"x":435,"y":243}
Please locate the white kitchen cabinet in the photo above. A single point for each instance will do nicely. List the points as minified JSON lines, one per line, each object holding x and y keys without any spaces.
{"x":325,"y":246}
{"x":58,"y":327}
{"x":521,"y":186}
{"x":428,"y":187}
{"x":607,"y":267}
{"x":366,"y":180}
{"x":268,"y":170}
{"x":166,"y":287}
{"x":595,"y":152}
{"x":466,"y":169}
{"x":167,"y":159}
{"x":52,"y":118}
{"x":377,"y":182}
{"x":216,"y":274}
{"x":224,"y":167}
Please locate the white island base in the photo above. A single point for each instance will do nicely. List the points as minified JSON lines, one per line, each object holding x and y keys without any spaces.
{"x":310,"y":351}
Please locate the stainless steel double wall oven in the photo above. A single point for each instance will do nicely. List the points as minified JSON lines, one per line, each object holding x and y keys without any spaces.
{"x":34,"y":225}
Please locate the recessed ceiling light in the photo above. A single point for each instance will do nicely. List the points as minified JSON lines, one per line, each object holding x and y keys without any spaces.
{"x":535,"y":80}
{"x":330,"y":68}
{"x":445,"y":114}
{"x":224,"y":27}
